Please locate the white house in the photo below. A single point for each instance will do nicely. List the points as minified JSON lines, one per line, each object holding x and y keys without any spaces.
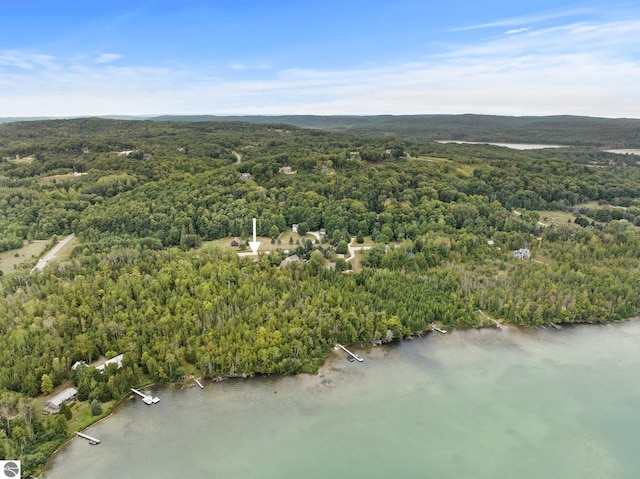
{"x":117,"y":360}
{"x":77,"y":364}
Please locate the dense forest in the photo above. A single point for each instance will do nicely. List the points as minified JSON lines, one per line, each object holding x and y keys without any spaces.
{"x":558,"y":130}
{"x":561,"y":130}
{"x":151,"y":202}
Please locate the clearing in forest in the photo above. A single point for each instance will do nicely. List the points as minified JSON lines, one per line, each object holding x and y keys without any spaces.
{"x":10,"y":261}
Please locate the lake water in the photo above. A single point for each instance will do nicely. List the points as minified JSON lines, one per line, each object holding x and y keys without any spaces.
{"x":628,"y":151}
{"x":516,"y":403}
{"x":514,"y":146}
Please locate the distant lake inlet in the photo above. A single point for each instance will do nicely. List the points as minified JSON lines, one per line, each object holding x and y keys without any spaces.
{"x":514,"y":146}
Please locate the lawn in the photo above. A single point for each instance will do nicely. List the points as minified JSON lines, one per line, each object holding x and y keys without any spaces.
{"x":355,"y":263}
{"x":556,"y":217}
{"x":47,"y":180}
{"x":66,"y":250}
{"x":82,"y":416}
{"x":367,"y":242}
{"x":265,"y":242}
{"x":27,"y":160}
{"x":10,"y":261}
{"x":434,"y":159}
{"x":591,"y":205}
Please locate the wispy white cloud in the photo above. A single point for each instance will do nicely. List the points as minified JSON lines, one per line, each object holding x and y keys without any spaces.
{"x":108,"y":57}
{"x":25,"y":60}
{"x":516,"y":30}
{"x":526,"y":19}
{"x":239,"y":66}
{"x":574,"y":68}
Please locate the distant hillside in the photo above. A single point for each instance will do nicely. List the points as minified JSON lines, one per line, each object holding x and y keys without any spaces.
{"x":12,"y":119}
{"x":563,"y":130}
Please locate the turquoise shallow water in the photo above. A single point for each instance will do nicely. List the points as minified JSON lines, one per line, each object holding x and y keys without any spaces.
{"x":469,"y":404}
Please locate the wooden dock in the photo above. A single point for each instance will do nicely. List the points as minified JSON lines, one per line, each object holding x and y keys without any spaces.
{"x":148,"y":400}
{"x":497,"y":323}
{"x":440,"y":330}
{"x":355,"y":356}
{"x":199,"y":384}
{"x":92,"y":440}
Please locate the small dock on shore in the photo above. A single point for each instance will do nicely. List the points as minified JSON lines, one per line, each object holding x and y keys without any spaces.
{"x":148,"y":400}
{"x":199,"y":384}
{"x":436,"y":328}
{"x":353,"y":355}
{"x":92,"y":440}
{"x":497,"y":323}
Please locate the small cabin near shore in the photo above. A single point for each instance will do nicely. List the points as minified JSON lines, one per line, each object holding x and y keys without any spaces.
{"x":236,"y":242}
{"x":53,"y":405}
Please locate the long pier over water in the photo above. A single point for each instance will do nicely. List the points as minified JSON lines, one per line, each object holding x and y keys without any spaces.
{"x":146,"y":399}
{"x":355,"y":356}
{"x":92,"y":440}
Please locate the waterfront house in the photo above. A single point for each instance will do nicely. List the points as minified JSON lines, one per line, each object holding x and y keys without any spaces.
{"x":53,"y":405}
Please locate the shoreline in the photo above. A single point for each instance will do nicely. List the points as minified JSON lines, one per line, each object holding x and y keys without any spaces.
{"x":189,"y":383}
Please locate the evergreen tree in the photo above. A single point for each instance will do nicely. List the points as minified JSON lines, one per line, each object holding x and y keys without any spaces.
{"x":65,"y":410}
{"x":96,"y":408}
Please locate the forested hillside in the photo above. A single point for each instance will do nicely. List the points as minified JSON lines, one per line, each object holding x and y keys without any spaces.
{"x":561,"y":130}
{"x":148,"y":198}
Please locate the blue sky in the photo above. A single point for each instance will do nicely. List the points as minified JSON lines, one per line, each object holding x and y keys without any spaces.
{"x":542,"y":57}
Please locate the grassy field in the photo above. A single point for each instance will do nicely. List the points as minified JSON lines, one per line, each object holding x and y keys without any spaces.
{"x":10,"y":261}
{"x":556,"y":217}
{"x":47,"y":180}
{"x":265,"y":242}
{"x":590,"y":204}
{"x":66,"y":250}
{"x":563,"y":217}
{"x":367,"y":242}
{"x":82,"y":416}
{"x":355,"y":263}
{"x":26,"y":160}
{"x":429,"y":158}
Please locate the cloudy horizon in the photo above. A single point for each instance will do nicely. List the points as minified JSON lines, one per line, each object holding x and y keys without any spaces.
{"x":363,"y":58}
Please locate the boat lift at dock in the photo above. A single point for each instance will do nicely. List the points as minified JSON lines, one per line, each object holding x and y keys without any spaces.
{"x":148,"y":400}
{"x":353,"y":355}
